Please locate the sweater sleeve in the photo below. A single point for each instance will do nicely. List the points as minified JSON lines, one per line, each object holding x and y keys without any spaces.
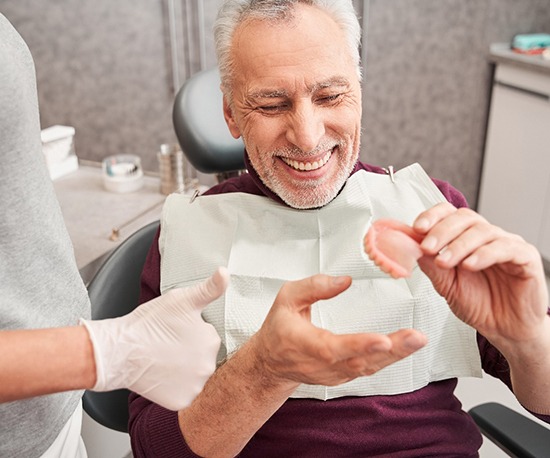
{"x":154,"y":431}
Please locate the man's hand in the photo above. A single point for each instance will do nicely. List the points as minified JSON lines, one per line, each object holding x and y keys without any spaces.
{"x":286,"y":351}
{"x":163,"y":350}
{"x":290,"y":348}
{"x":492,"y":280}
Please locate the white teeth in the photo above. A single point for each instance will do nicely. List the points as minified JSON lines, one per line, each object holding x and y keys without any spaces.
{"x":308,"y":165}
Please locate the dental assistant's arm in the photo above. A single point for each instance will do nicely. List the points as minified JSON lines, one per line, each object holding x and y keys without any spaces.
{"x":495,"y":282}
{"x":162,"y":350}
{"x":43,"y":361}
{"x":287,"y":351}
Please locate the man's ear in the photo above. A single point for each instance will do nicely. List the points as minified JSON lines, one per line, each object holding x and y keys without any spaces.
{"x":229,"y":119}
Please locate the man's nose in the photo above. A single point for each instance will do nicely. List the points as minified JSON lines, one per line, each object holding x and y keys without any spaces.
{"x":306,"y":126}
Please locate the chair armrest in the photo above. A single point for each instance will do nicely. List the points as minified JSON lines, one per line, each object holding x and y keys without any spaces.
{"x":513,"y":432}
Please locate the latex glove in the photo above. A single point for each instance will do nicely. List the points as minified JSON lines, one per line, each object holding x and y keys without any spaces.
{"x":163,"y":350}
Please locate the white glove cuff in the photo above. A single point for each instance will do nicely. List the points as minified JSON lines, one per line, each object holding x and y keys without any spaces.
{"x":103,"y":350}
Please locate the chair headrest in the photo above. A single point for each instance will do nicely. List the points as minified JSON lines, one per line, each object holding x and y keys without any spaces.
{"x":200,"y":126}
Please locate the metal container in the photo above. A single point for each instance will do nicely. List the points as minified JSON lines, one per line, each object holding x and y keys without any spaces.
{"x":172,"y":169}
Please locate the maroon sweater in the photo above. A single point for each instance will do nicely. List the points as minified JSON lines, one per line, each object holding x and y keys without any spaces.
{"x":426,"y":422}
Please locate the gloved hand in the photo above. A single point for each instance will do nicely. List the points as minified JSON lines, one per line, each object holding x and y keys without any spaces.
{"x":163,"y":350}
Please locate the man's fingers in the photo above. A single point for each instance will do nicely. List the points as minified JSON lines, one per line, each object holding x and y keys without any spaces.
{"x":467,"y":243}
{"x":427,"y":219}
{"x":372,"y":346}
{"x":453,"y":226}
{"x":511,"y":250}
{"x":353,"y":355}
{"x":208,"y":290}
{"x":339,"y":347}
{"x":302,"y":293}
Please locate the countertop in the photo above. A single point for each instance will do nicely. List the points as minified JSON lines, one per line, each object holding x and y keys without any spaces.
{"x":91,"y":213}
{"x":500,"y":53}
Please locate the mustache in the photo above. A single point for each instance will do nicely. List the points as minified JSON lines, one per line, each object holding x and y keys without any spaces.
{"x":292,"y":152}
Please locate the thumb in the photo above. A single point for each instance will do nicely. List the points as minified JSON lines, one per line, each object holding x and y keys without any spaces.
{"x":202,"y":294}
{"x":441,"y":278}
{"x":301,"y":294}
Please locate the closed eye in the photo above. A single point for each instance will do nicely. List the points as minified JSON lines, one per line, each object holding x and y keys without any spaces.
{"x":273,"y":108}
{"x":329,"y":99}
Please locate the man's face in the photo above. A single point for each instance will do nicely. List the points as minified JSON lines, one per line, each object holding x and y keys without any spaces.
{"x":297,"y":105}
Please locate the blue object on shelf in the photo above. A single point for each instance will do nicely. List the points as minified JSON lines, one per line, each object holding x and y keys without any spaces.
{"x":531,"y":41}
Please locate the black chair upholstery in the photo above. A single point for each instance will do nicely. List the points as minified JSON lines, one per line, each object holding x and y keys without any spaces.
{"x":200,"y":126}
{"x":114,"y":291}
{"x":515,"y":434}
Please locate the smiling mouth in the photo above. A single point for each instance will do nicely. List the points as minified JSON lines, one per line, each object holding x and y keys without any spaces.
{"x":307,"y":166}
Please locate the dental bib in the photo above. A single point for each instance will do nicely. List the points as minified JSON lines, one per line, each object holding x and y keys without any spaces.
{"x":264,"y":244}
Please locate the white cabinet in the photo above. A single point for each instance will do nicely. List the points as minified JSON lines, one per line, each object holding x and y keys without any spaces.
{"x":515,"y":182}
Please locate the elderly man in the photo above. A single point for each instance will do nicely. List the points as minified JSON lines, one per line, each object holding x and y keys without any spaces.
{"x":371,"y":367}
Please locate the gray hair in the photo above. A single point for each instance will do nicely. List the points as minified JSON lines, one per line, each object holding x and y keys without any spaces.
{"x":234,"y":12}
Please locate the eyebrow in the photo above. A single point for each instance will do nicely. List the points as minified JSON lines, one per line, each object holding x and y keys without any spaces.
{"x":268,"y":94}
{"x":282,"y":93}
{"x":336,"y":81}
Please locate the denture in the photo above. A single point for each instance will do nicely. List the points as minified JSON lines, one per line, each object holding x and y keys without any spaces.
{"x":393,"y":246}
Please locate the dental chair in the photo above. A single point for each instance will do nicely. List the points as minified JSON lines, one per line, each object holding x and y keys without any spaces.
{"x":114,"y":291}
{"x":201,"y":130}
